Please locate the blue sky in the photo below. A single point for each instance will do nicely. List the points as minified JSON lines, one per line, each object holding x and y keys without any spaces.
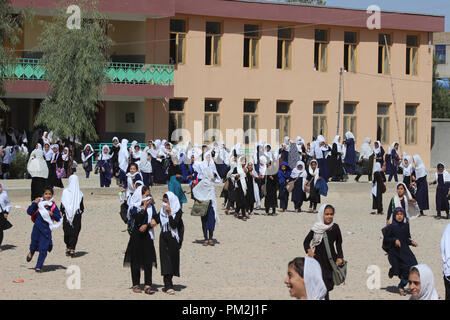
{"x":439,"y":7}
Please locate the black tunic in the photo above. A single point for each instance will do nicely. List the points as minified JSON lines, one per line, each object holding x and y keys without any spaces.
{"x":169,"y":248}
{"x":238,"y":193}
{"x":314,"y":195}
{"x":401,"y":259}
{"x":250,"y":196}
{"x":298,"y":196}
{"x":71,"y":232}
{"x":320,"y":253}
{"x":141,"y":249}
{"x":270,"y":200}
{"x":377,"y":201}
{"x":334,"y":162}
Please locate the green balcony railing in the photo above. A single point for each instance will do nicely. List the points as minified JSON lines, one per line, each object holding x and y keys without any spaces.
{"x":117,"y":72}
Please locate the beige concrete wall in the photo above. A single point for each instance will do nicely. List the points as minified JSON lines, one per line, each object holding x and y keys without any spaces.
{"x":129,"y":37}
{"x":233,"y":83}
{"x":115,"y":116}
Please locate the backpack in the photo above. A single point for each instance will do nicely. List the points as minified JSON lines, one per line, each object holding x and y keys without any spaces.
{"x":34,"y":215}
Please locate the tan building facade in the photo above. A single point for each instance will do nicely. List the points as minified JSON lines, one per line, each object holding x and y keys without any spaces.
{"x":265,"y":66}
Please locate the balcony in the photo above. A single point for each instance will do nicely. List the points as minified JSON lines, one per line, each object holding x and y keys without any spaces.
{"x":124,"y":79}
{"x":118,"y":72}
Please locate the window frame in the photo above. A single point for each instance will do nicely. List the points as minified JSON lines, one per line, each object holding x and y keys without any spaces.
{"x":177,"y":114}
{"x":408,"y":120}
{"x":384,"y":54}
{"x":320,"y":116}
{"x":177,"y":33}
{"x":252,"y":39}
{"x":321,"y":43}
{"x":383,"y":117}
{"x":350,"y":117}
{"x":411,"y":48}
{"x":210,"y":115}
{"x":283,"y":48}
{"x":219,"y":49}
{"x":250,"y":115}
{"x":283,"y":117}
{"x":349,"y":51}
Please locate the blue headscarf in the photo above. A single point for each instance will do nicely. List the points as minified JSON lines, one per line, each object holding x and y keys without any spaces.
{"x":284,"y":175}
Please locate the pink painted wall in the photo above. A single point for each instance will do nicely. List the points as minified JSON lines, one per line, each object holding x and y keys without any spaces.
{"x":233,"y":83}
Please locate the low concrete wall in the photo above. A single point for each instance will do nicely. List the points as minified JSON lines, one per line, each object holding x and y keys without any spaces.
{"x":440,"y":142}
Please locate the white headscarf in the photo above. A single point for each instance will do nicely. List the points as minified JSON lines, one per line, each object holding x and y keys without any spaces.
{"x":45,"y":139}
{"x":366,"y":150}
{"x":392,"y":147}
{"x":5,"y":202}
{"x":105,"y":156}
{"x":115,"y":138}
{"x":314,"y":285}
{"x":145,"y":165}
{"x":46,"y":216}
{"x":136,"y":154}
{"x":411,"y":208}
{"x":408,"y":169}
{"x":205,"y":190}
{"x":427,"y":290}
{"x":262,"y":165}
{"x":65,"y":156}
{"x":242,"y":175}
{"x":420,"y":169}
{"x":268,"y":154}
{"x":446,"y":175}
{"x":296,"y":172}
{"x":376,"y":168}
{"x":37,"y":167}
{"x":164,"y":216}
{"x":338,"y":145}
{"x":445,"y":251}
{"x":48,"y":154}
{"x":319,"y":228}
{"x":71,"y":198}
{"x":375,"y":149}
{"x":349,"y":135}
{"x":135,"y":200}
{"x":314,"y":173}
{"x":124,"y":155}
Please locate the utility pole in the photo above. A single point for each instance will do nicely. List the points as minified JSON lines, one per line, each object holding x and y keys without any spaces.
{"x":393,"y":91}
{"x":341,"y":73}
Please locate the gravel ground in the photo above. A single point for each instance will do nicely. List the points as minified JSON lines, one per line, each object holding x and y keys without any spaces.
{"x":248,"y":262}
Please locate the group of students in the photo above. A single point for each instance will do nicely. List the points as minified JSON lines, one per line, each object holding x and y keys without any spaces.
{"x":415,"y":183}
{"x":312,"y":277}
{"x":12,"y":143}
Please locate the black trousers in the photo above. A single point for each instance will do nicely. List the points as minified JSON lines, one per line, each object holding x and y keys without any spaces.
{"x":168,"y":284}
{"x":1,"y":236}
{"x":71,"y":233}
{"x":205,"y":232}
{"x":136,"y":274}
{"x":313,"y":205}
{"x":447,"y":287}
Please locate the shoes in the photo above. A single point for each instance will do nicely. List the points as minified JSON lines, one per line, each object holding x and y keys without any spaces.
{"x":390,"y":273}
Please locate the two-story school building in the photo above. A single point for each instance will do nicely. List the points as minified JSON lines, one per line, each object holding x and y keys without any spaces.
{"x":262,"y":65}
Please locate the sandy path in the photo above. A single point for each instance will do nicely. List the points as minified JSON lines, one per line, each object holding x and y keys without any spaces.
{"x":249,"y":262}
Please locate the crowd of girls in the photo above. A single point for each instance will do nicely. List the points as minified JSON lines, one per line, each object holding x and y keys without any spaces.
{"x":297,"y":172}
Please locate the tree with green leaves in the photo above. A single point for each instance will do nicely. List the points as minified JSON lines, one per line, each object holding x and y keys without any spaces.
{"x":9,"y":38}
{"x":314,"y":2}
{"x":441,"y":96}
{"x":75,"y":61}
